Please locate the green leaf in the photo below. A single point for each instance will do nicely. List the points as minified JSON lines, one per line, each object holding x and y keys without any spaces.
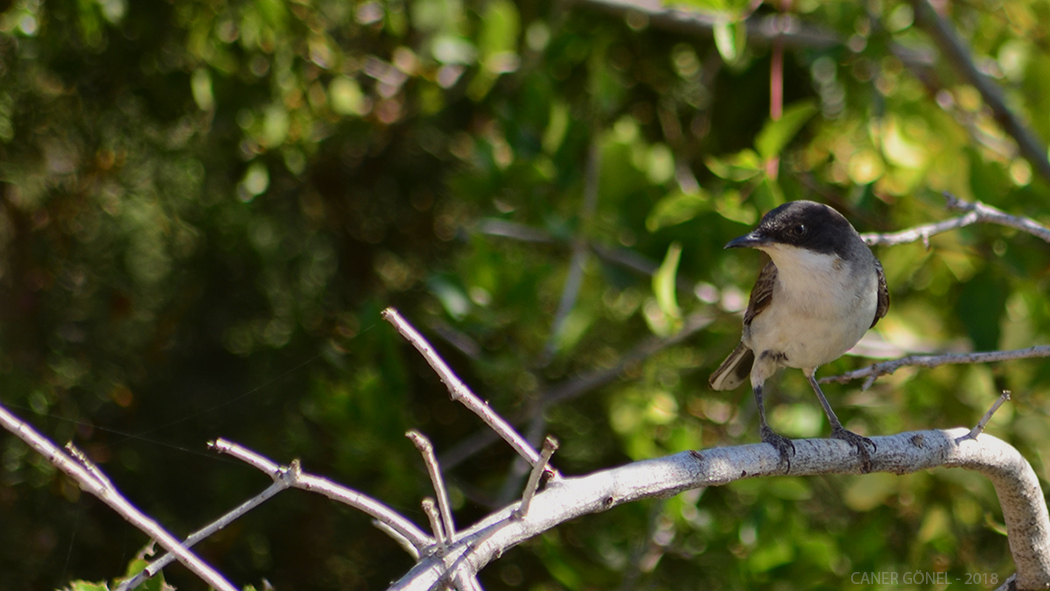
{"x":741,"y":166}
{"x":676,"y":208}
{"x":664,"y":283}
{"x":730,"y":39}
{"x":731,"y":206}
{"x":500,"y":28}
{"x":87,"y":586}
{"x":776,"y":134}
{"x":452,"y":298}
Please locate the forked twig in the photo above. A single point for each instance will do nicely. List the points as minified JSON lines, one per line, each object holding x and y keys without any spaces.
{"x":411,"y":537}
{"x":460,"y":392}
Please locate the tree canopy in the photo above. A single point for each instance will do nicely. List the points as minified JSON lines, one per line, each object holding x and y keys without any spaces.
{"x":204,"y":206}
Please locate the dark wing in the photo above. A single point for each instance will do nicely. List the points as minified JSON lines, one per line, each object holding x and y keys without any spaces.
{"x":884,"y":294}
{"x":762,"y":294}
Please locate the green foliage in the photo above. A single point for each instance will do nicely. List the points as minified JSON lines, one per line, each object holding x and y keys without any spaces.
{"x":205,"y":205}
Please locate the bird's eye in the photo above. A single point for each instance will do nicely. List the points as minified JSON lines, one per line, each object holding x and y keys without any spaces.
{"x":799,"y":230}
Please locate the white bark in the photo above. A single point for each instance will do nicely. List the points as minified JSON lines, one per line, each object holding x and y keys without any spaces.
{"x":1016,"y":485}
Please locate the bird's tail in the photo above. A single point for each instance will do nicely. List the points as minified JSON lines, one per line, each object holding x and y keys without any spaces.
{"x":734,"y":370}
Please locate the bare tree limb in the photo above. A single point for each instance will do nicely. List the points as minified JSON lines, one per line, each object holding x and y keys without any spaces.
{"x":976,"y":212}
{"x":875,"y":371}
{"x":1030,"y":146}
{"x":91,"y":480}
{"x":298,"y":479}
{"x":459,"y":391}
{"x":1016,"y":485}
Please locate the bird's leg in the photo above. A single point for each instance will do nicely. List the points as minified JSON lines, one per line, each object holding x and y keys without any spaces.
{"x":838,"y":431}
{"x":782,"y":444}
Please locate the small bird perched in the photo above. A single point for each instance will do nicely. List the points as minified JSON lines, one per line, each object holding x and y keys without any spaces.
{"x":822,"y":290}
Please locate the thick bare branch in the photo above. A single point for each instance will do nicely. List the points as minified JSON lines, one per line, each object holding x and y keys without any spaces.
{"x":459,"y":391}
{"x":90,"y":479}
{"x":1015,"y":483}
{"x":875,"y":371}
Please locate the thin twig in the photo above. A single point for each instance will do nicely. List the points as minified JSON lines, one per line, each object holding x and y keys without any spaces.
{"x":581,"y":385}
{"x":550,"y":445}
{"x":976,"y":212}
{"x":304,"y":481}
{"x":981,"y":424}
{"x":874,"y":371}
{"x":427,"y":450}
{"x":959,"y":56}
{"x":459,"y":391}
{"x":435,"y":524}
{"x":159,"y":563}
{"x":89,"y":480}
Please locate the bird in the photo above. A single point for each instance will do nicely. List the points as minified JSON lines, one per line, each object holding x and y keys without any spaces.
{"x":821,"y":290}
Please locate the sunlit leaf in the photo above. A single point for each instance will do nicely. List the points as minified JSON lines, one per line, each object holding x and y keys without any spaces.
{"x":676,"y":208}
{"x":737,"y":167}
{"x":664,"y":283}
{"x":776,"y":134}
{"x":730,"y":39}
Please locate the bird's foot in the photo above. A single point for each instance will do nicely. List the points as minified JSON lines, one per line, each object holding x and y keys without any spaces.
{"x":859,"y":442}
{"x":782,"y":444}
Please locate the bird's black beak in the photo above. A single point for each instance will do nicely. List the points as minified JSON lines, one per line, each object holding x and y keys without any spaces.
{"x":752,"y":240}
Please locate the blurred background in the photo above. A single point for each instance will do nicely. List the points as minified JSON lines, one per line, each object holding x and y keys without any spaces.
{"x":204,"y":206}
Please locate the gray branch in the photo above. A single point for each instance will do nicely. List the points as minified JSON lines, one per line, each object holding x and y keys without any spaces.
{"x":976,"y":212}
{"x":1016,"y":485}
{"x":877,"y":370}
{"x":91,"y":480}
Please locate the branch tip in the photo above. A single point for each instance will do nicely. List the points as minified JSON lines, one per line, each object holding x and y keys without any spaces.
{"x":458,"y":390}
{"x":550,"y":445}
{"x":979,"y":427}
{"x":426,"y":449}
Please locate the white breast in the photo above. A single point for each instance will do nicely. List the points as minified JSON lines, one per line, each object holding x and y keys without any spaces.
{"x":820,"y":308}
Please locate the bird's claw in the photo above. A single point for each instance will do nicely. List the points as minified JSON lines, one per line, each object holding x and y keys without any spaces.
{"x":782,"y":444}
{"x":860,"y":443}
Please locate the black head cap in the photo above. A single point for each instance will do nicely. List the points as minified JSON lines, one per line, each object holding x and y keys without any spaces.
{"x":804,"y":224}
